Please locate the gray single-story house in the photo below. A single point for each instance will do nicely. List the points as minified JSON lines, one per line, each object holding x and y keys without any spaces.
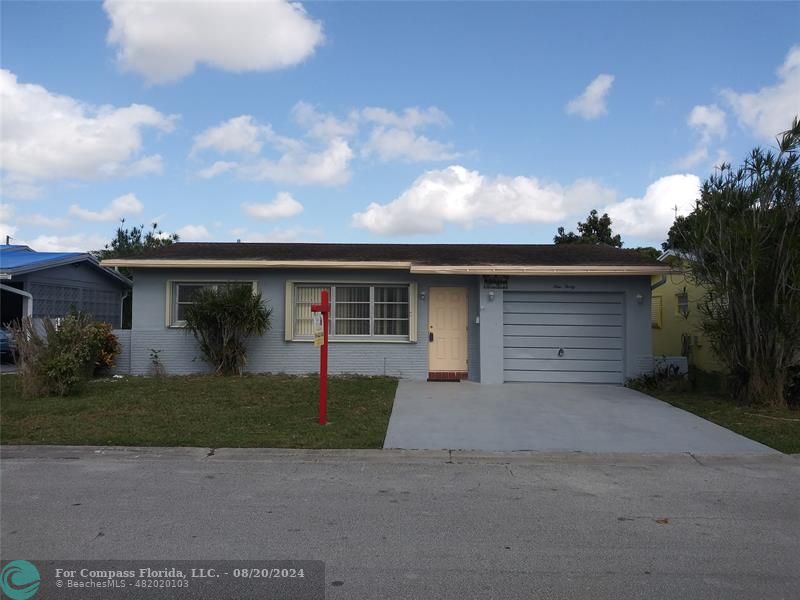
{"x":51,"y":284}
{"x":488,"y":313}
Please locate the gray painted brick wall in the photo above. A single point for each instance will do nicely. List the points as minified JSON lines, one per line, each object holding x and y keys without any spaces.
{"x":271,"y":352}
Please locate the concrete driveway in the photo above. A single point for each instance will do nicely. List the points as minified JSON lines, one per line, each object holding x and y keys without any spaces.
{"x":550,"y":417}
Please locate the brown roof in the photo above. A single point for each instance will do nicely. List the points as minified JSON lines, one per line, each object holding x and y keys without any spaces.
{"x":418,"y":254}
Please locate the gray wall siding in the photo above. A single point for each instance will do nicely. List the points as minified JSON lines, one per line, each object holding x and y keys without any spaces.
{"x":57,"y":290}
{"x":271,"y":352}
{"x":637,"y":334}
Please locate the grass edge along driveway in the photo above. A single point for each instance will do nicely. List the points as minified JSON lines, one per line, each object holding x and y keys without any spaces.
{"x":270,"y":411}
{"x":776,"y":428}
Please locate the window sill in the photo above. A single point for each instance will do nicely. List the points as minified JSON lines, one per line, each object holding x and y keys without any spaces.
{"x":356,"y":341}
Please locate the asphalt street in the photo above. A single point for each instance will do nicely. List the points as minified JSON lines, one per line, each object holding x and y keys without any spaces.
{"x":437,"y":524}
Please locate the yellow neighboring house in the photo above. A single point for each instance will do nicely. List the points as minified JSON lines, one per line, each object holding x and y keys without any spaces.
{"x":676,"y":317}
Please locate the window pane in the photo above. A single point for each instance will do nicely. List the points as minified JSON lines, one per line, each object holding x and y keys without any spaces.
{"x":391,"y":311}
{"x":351,"y":310}
{"x":352,"y":294}
{"x":186,"y":291}
{"x":181,"y":312}
{"x":352,"y":327}
{"x":391,"y":294}
{"x":387,"y":327}
{"x":304,"y":297}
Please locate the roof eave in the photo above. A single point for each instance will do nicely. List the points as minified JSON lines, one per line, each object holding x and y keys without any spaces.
{"x":399,"y":265}
{"x":60,"y":262}
{"x":532,"y":270}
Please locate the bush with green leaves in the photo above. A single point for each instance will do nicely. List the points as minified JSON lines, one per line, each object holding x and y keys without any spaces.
{"x":743,"y":242}
{"x":56,"y":358}
{"x":222,"y":318}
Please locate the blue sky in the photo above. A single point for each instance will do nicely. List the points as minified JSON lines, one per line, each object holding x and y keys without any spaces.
{"x":379,"y":122}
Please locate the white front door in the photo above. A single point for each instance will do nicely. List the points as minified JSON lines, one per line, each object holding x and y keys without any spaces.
{"x":447,"y":329}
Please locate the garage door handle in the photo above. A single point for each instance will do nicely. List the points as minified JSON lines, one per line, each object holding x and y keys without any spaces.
{"x":561,"y":352}
{"x":430,"y":336}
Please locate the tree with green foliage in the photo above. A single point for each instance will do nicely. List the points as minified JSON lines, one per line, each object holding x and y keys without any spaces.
{"x":221,"y":318}
{"x":674,"y":239}
{"x":595,"y":230}
{"x":135,"y":241}
{"x":743,"y":238}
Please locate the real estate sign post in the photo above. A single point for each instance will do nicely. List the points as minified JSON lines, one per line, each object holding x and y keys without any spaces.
{"x":322,"y":310}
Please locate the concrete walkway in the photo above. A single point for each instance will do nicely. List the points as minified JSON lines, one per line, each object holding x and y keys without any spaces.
{"x":550,"y":417}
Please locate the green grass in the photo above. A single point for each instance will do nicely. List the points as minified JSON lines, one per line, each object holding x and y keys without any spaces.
{"x":779,"y":429}
{"x":271,"y":411}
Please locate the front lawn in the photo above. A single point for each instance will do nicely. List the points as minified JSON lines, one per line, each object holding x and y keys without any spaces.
{"x":270,"y":411}
{"x":779,"y":429}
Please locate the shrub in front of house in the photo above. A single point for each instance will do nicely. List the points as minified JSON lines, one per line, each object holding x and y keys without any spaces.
{"x":56,"y":358}
{"x":221,"y":319}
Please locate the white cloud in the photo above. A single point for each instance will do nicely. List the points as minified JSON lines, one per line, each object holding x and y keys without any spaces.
{"x":393,"y":144}
{"x":324,"y":126}
{"x":50,"y":136}
{"x":6,"y":228}
{"x":43,"y":221}
{"x":651,"y":216}
{"x":769,"y":111}
{"x":7,"y":211}
{"x":290,"y":234}
{"x":709,"y":121}
{"x":591,"y":104}
{"x":394,"y":135}
{"x":456,"y":195}
{"x":410,"y":118}
{"x":693,"y":158}
{"x":324,"y":153}
{"x":239,"y":134}
{"x":164,"y":41}
{"x":19,"y":190}
{"x":217,"y":168}
{"x":119,"y":208}
{"x":282,"y":207}
{"x":78,"y":242}
{"x":298,"y":163}
{"x":189,"y":233}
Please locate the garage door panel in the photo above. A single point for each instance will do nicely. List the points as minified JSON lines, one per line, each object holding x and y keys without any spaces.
{"x":561,"y":377}
{"x":598,"y":308}
{"x":569,"y":353}
{"x":563,"y":330}
{"x":562,"y":319}
{"x":562,"y":364}
{"x":521,"y":341}
{"x":588,"y":326}
{"x":581,"y":297}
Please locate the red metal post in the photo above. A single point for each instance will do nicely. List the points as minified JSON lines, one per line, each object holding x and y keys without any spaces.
{"x":325,"y":308}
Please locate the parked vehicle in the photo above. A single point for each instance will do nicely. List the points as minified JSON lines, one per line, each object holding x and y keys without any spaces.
{"x":8,"y":345}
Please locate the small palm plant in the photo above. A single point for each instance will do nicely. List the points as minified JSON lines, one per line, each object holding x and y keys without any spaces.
{"x":221,"y":319}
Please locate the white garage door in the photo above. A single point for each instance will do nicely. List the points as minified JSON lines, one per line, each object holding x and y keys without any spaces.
{"x":563,"y":337}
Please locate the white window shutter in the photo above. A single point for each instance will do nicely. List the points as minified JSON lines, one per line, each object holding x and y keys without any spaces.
{"x":288,"y":313}
{"x":168,"y":307}
{"x":412,"y":312}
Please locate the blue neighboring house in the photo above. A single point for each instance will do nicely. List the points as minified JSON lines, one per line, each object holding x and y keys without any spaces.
{"x":51,"y":284}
